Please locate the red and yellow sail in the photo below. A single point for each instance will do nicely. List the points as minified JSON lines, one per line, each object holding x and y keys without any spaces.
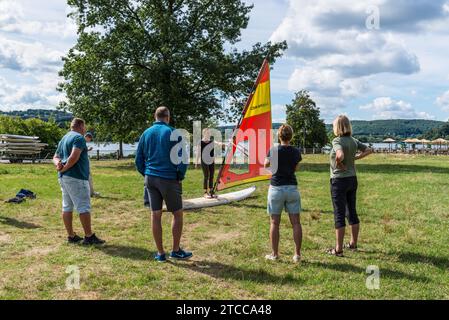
{"x":255,"y":130}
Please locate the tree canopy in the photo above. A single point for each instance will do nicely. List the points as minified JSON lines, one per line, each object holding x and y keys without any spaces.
{"x":304,"y":117}
{"x":132,"y":56}
{"x":439,"y":132}
{"x":48,"y":131}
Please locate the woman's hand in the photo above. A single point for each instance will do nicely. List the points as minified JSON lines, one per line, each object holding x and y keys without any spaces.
{"x":341,"y":166}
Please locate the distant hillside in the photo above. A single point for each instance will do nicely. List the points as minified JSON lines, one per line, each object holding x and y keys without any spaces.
{"x":45,"y":115}
{"x":398,"y":128}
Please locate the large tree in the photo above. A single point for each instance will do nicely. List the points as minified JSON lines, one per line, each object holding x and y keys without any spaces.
{"x":134,"y":55}
{"x":304,"y":117}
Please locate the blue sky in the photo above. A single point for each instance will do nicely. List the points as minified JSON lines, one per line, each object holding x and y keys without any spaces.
{"x":396,"y":69}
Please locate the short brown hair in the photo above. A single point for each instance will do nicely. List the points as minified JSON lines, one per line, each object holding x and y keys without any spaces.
{"x":342,"y":126}
{"x":77,"y":123}
{"x":162,"y":113}
{"x":285,"y":133}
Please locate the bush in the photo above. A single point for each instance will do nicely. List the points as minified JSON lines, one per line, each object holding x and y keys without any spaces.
{"x":48,"y":132}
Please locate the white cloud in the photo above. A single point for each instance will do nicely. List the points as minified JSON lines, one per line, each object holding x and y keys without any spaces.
{"x":328,"y":82}
{"x":41,"y":95}
{"x":388,"y":108}
{"x":21,"y":56}
{"x":13,"y":20}
{"x":278,"y":112}
{"x":443,"y":101}
{"x":338,"y":58}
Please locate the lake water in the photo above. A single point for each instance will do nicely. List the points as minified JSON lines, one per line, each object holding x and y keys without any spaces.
{"x":108,"y":148}
{"x":129,"y":149}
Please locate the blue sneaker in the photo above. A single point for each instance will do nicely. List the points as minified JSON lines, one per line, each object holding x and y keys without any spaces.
{"x":181,"y":254}
{"x":160,"y":257}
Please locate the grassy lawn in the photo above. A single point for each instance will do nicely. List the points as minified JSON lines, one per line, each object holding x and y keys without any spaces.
{"x":403,"y":204}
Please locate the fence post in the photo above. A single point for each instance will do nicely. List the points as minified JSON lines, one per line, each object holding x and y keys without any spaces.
{"x":98,"y":155}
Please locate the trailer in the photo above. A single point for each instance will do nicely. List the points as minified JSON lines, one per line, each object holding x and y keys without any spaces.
{"x":16,"y":148}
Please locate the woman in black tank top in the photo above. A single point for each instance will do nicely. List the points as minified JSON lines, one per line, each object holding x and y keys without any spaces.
{"x":206,"y":146}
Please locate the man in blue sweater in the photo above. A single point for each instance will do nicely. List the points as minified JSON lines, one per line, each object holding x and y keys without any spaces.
{"x":163,"y":176}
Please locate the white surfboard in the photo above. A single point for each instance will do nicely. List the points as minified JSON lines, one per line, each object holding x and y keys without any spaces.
{"x":21,"y":152}
{"x":18,"y":140}
{"x":21,"y":147}
{"x":222,"y":199}
{"x":13,"y":136}
{"x":23,"y":144}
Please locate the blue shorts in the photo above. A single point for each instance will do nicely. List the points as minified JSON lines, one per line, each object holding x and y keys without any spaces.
{"x":75,"y":194}
{"x":283,"y":197}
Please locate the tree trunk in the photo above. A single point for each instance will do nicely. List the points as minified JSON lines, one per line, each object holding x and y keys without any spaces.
{"x":120,"y":154}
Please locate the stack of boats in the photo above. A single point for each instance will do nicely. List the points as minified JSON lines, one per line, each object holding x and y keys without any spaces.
{"x":14,"y":145}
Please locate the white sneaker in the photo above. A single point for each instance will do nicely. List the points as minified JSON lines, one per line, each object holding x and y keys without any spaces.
{"x":271,"y":257}
{"x":296,"y":258}
{"x":95,"y":195}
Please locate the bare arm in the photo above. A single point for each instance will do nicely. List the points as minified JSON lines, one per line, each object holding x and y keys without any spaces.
{"x":198,"y":155}
{"x":221,"y":143}
{"x":72,"y":160}
{"x":266,"y":163}
{"x":364,"y":154}
{"x":339,"y":157}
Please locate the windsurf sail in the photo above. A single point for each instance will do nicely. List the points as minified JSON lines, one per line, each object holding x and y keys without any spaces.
{"x":251,"y":138}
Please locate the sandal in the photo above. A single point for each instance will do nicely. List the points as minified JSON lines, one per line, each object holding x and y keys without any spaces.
{"x":350,"y":246}
{"x":334,"y":252}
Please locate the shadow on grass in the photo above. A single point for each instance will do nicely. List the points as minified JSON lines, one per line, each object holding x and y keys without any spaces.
{"x":108,"y":198}
{"x":410,"y":257}
{"x":318,"y":211}
{"x":385,"y":272}
{"x":127,"y":252}
{"x":379,"y":168}
{"x":223,"y":271}
{"x":18,"y":224}
{"x":248,"y":205}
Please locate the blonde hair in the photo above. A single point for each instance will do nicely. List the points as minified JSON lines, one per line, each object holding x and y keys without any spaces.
{"x":342,"y":126}
{"x":285,"y":133}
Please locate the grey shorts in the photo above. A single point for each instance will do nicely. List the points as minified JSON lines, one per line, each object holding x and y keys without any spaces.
{"x":160,"y":190}
{"x":75,"y":194}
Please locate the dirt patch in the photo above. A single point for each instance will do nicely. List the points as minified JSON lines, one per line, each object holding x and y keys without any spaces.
{"x":40,"y":251}
{"x":5,"y":238}
{"x":214,"y":238}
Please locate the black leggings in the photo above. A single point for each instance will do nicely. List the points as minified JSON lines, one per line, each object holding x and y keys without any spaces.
{"x":208,"y":172}
{"x":344,"y":193}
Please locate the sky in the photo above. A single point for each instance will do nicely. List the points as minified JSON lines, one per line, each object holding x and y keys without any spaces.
{"x":368,"y":59}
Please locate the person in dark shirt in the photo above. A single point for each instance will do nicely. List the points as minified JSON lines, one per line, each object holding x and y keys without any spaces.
{"x":207,"y":156}
{"x":283,"y":193}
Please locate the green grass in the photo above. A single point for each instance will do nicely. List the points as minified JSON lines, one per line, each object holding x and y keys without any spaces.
{"x":403,"y":204}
